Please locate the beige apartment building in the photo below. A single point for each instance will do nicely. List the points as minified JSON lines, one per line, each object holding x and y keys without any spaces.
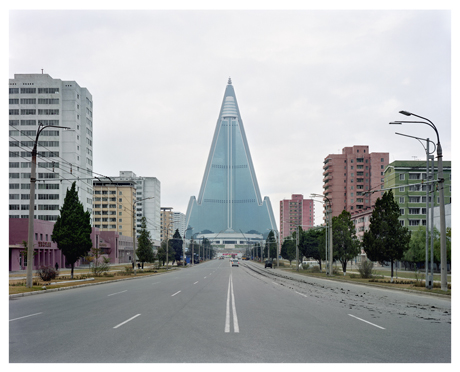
{"x":166,"y":223}
{"x":113,"y":206}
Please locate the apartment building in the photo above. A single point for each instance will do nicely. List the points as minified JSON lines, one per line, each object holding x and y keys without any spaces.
{"x":295,"y":212}
{"x":166,"y":223}
{"x":351,"y":175}
{"x":408,"y":179}
{"x":179,"y":222}
{"x":148,"y":201}
{"x":113,"y":206}
{"x":63,"y":156}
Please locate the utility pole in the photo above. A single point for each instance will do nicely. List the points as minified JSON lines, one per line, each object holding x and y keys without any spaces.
{"x":30,"y":238}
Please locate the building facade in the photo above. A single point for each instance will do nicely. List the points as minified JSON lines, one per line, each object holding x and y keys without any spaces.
{"x":148,"y":201}
{"x":179,"y":222}
{"x":229,"y":199}
{"x":351,"y":175}
{"x":113,"y":206}
{"x":408,"y":179}
{"x":166,"y":223}
{"x":295,"y":212}
{"x":46,"y":253}
{"x":63,"y":156}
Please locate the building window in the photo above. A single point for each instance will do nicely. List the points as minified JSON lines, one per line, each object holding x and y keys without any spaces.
{"x":401,"y":200}
{"x":402,"y":177}
{"x":401,"y":211}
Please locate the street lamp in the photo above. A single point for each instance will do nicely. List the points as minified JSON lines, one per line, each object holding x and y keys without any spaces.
{"x":183,"y":244}
{"x":428,"y":278}
{"x":328,"y":270}
{"x":442,"y":212}
{"x":30,"y":247}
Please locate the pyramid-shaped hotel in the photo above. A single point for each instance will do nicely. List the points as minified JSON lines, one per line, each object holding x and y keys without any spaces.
{"x":229,"y":209}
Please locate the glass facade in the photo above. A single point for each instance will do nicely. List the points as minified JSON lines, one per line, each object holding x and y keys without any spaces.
{"x":229,"y":198}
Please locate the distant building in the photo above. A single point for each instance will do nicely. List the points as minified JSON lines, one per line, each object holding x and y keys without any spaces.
{"x":113,"y":206}
{"x":148,"y":202}
{"x":229,"y":200}
{"x":179,"y":222}
{"x":295,"y":212}
{"x":408,"y":179}
{"x":348,"y":176}
{"x":166,"y":223}
{"x":64,"y":156}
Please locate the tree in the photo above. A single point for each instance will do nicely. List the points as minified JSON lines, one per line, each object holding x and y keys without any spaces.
{"x":386,"y":239}
{"x":270,"y":242}
{"x":288,"y":250}
{"x":344,"y":240}
{"x":98,"y":266}
{"x":72,"y":230}
{"x":417,"y":246}
{"x":310,"y":244}
{"x":162,"y":252}
{"x":176,"y":245}
{"x":144,"y":251}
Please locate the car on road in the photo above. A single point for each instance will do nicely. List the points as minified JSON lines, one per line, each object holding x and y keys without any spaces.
{"x":234,"y":262}
{"x":269,"y":263}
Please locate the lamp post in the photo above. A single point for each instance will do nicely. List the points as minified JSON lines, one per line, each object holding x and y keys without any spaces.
{"x":30,"y":243}
{"x":442,"y":212}
{"x":428,"y":278}
{"x":328,"y":269}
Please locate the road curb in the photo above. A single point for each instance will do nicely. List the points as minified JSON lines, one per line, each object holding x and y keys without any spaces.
{"x":381,"y":287}
{"x":79,"y":286}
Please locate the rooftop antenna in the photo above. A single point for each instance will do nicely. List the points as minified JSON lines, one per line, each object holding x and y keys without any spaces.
{"x":414,"y":157}
{"x":42,"y":71}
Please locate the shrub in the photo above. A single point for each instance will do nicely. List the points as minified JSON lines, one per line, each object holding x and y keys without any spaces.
{"x":47,"y":273}
{"x":101,"y":267}
{"x":335,"y":270}
{"x":365,"y":269}
{"x":314,"y":269}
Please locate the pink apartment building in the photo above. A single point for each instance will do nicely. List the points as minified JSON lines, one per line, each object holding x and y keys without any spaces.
{"x":350,"y":176}
{"x":295,"y":212}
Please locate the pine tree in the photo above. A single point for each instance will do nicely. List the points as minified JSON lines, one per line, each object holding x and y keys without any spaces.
{"x":72,"y":230}
{"x":144,"y":251}
{"x":386,"y":239}
{"x":176,"y":244}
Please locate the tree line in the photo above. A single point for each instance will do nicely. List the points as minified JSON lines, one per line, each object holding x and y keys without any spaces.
{"x":386,"y":241}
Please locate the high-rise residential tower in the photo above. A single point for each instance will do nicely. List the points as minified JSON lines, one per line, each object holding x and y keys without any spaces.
{"x":295,"y":212}
{"x":229,"y":202}
{"x":63,"y":156}
{"x":347,"y":177}
{"x":148,"y":201}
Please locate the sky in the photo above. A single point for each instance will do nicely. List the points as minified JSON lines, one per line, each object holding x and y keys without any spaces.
{"x":308,"y":83}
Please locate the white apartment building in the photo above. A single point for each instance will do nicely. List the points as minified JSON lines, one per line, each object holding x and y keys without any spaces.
{"x":63,"y":156}
{"x":179,"y":222}
{"x":146,"y":187}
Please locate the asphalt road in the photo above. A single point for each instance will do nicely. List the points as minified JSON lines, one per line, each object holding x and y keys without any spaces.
{"x":213,"y":313}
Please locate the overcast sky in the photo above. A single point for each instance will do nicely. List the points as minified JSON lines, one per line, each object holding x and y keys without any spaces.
{"x":308,"y":83}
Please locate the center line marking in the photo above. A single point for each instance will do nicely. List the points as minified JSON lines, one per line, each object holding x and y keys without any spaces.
{"x":175,"y":293}
{"x":365,"y":321}
{"x":126,"y":321}
{"x":301,"y":294}
{"x":116,"y":293}
{"x":22,"y":317}
{"x":195,"y":282}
